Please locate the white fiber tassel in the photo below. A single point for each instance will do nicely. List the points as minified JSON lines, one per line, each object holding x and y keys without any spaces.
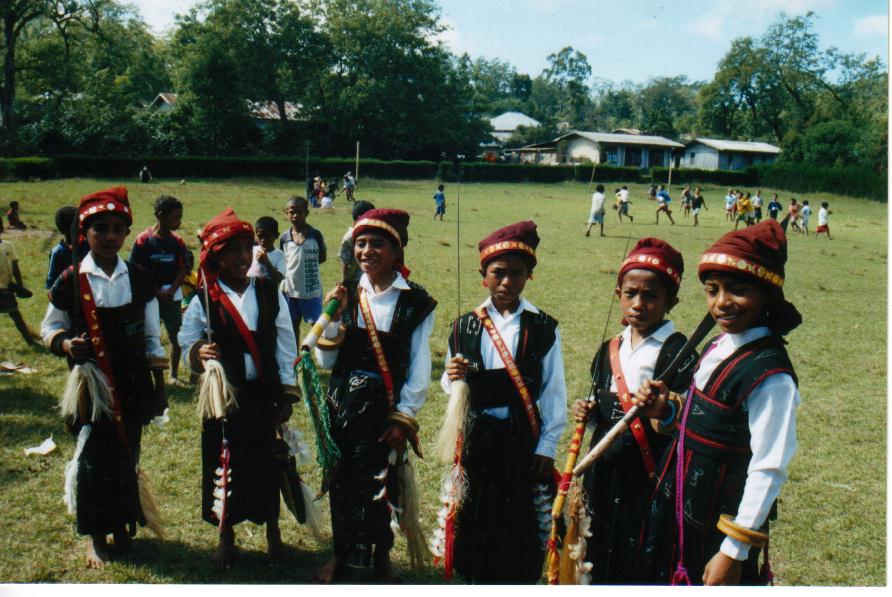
{"x":380,"y":495}
{"x":382,"y":475}
{"x":216,"y":396}
{"x":86,"y":381}
{"x":410,"y":514}
{"x":453,"y":420}
{"x":71,"y":469}
{"x":314,"y":517}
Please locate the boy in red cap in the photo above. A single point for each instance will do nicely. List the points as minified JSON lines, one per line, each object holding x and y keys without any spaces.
{"x":380,"y":375}
{"x":509,"y":352}
{"x":619,"y":485}
{"x":252,"y":337}
{"x":736,"y":428}
{"x":104,"y":310}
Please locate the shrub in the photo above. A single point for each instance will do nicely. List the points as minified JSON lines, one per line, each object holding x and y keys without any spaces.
{"x":692,"y":175}
{"x":485,"y":172}
{"x":292,"y":167}
{"x":26,"y":168}
{"x":801,"y":178}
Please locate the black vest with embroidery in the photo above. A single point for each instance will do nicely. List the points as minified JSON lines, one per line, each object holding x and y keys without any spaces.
{"x":491,"y":388}
{"x":233,"y":347}
{"x":123,"y":329}
{"x":610,"y":410}
{"x":718,"y":423}
{"x":356,"y":353}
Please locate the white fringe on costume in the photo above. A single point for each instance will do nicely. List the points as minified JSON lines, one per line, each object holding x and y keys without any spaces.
{"x":71,"y":469}
{"x":409,"y":514}
{"x":314,"y":517}
{"x":87,"y":381}
{"x":453,"y":420}
{"x":576,"y":517}
{"x":149,"y":504}
{"x":455,"y":487}
{"x":216,"y":396}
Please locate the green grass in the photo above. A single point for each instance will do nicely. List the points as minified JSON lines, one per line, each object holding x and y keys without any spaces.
{"x":832,"y":516}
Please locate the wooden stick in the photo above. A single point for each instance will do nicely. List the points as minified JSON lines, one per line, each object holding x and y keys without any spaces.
{"x":706,"y":324}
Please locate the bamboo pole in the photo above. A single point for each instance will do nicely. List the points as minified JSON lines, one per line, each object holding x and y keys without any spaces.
{"x":356,"y":167}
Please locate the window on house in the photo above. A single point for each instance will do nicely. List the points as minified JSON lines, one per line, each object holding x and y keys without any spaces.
{"x":612,"y":156}
{"x":691,"y":158}
{"x":633,"y":156}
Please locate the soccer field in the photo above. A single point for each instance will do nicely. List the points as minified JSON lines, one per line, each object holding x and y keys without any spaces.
{"x":831,"y":527}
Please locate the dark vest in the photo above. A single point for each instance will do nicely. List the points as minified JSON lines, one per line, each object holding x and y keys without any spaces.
{"x":610,"y":411}
{"x":412,"y":307}
{"x":233,"y":347}
{"x":123,"y":329}
{"x":718,"y":424}
{"x":492,"y":388}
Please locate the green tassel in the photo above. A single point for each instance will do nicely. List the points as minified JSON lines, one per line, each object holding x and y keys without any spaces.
{"x":327,"y":453}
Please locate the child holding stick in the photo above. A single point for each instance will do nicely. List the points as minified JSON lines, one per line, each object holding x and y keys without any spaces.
{"x":736,"y":427}
{"x":619,"y":484}
{"x":380,"y":373}
{"x":509,"y":353}
{"x":103,"y":314}
{"x":251,"y":336}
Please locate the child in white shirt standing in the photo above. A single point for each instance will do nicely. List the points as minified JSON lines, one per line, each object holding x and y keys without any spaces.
{"x":824,"y":220}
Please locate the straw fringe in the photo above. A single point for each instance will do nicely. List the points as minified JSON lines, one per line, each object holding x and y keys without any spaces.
{"x":453,"y":420}
{"x":149,"y":504}
{"x":409,"y":513}
{"x":71,"y":469}
{"x":86,"y":382}
{"x":216,"y":396}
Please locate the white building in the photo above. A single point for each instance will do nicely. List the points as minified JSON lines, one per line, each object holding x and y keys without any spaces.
{"x":504,"y":125}
{"x":720,"y":154}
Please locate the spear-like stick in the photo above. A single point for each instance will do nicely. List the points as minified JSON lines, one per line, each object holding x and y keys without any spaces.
{"x":705,"y":325}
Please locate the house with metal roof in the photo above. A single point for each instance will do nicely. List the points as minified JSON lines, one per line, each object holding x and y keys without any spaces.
{"x":261,"y":112}
{"x":504,"y":125}
{"x":721,"y":154}
{"x":616,"y":149}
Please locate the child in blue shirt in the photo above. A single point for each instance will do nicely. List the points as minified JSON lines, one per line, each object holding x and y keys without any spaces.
{"x":440,"y":200}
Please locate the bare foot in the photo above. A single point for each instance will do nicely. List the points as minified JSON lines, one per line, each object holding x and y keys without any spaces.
{"x":275,"y":549}
{"x":97,"y":551}
{"x":225,"y":555}
{"x":123,"y":541}
{"x":330,"y":572}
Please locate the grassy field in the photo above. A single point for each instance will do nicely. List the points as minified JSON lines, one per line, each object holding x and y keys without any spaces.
{"x":832,"y":516}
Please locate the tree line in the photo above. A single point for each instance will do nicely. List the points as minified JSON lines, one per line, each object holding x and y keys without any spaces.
{"x":78,"y":76}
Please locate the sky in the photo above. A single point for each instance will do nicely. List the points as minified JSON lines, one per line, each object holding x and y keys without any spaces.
{"x":625,"y":40}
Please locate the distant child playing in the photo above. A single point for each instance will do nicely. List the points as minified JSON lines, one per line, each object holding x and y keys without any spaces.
{"x":104,"y":310}
{"x":11,"y":286}
{"x":252,"y":337}
{"x":736,"y":427}
{"x":804,"y":215}
{"x":162,"y":252}
{"x":61,"y":255}
{"x":622,"y":198}
{"x":774,"y":207}
{"x":696,"y":204}
{"x":794,"y":214}
{"x":268,"y":262}
{"x":664,"y":199}
{"x":440,"y":202}
{"x":304,"y":250}
{"x":596,"y":215}
{"x":12,"y":216}
{"x":824,"y":220}
{"x":730,"y":202}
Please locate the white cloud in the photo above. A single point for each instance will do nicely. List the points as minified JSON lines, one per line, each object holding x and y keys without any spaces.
{"x":159,"y":14}
{"x":793,"y":7}
{"x":871,"y":26}
{"x":709,"y":26}
{"x":452,"y":39}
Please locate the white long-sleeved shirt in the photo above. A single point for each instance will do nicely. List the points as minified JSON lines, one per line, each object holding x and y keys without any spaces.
{"x":597,"y":203}
{"x":771,"y":411}
{"x":638,"y":363}
{"x":553,"y":395}
{"x":108,"y":292}
{"x":382,"y":305}
{"x":195,"y":328}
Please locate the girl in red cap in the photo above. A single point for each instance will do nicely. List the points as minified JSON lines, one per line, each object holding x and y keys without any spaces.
{"x":252,"y":337}
{"x":381,"y":367}
{"x":619,"y":485}
{"x":735,"y":428}
{"x":103,"y":313}
{"x":509,"y":353}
